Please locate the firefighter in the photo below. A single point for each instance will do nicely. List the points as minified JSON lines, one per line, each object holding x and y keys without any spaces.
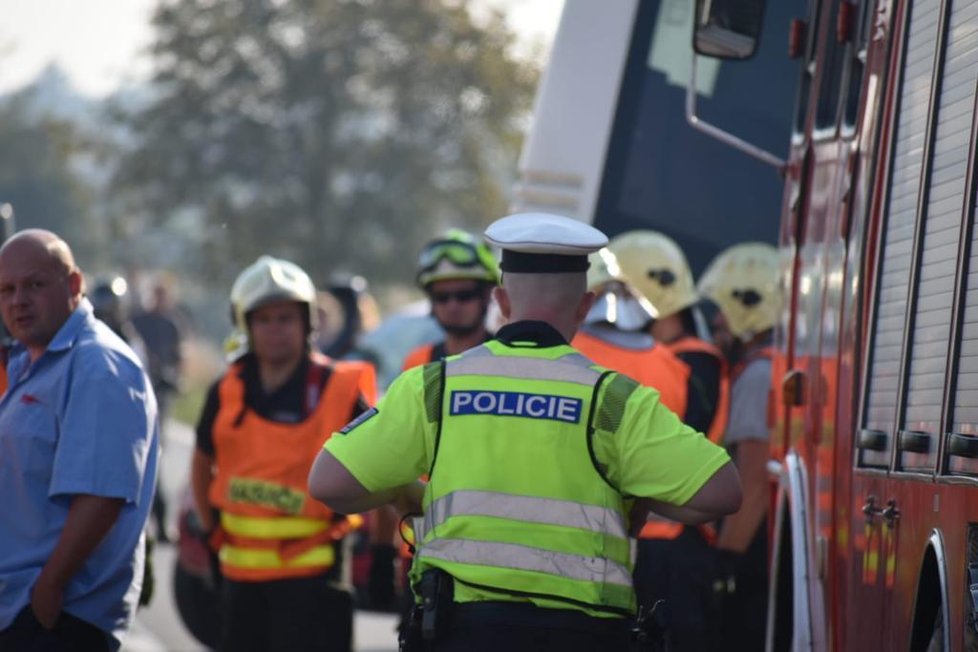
{"x":533,"y":453}
{"x":673,"y":561}
{"x":457,"y":273}
{"x":281,"y":553}
{"x":615,"y":334}
{"x":743,"y":282}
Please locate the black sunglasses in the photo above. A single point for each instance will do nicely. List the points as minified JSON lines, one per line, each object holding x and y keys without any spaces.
{"x":462,"y":296}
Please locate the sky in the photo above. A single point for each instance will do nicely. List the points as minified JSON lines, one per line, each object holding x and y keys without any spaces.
{"x":101,"y":44}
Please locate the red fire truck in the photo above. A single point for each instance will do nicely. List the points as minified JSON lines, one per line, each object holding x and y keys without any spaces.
{"x":875,"y":446}
{"x":875,"y":411}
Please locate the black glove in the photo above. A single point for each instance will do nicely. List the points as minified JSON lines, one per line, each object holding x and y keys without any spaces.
{"x":380,"y":582}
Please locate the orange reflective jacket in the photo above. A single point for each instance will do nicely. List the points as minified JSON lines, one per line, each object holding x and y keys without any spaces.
{"x":696,"y":345}
{"x":657,"y":528}
{"x":272,"y":529}
{"x":656,"y":367}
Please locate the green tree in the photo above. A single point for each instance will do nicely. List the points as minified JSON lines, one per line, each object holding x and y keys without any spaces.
{"x":338,"y":133}
{"x":40,"y":157}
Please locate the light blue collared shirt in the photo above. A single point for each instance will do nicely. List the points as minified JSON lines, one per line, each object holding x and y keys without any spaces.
{"x":80,"y":420}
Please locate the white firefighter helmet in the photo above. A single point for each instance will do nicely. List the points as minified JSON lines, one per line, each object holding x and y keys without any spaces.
{"x":269,"y":280}
{"x":657,"y":268}
{"x":743,"y":282}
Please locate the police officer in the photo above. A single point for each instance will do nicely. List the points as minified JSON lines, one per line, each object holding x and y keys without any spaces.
{"x":457,"y":273}
{"x":261,"y":427}
{"x":615,"y":334}
{"x":674,"y":561}
{"x":743,"y":282}
{"x":534,"y":453}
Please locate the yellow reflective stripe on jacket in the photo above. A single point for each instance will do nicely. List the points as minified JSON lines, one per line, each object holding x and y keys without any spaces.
{"x":546,"y":511}
{"x":274,"y":527}
{"x":527,"y":558}
{"x":267,"y":558}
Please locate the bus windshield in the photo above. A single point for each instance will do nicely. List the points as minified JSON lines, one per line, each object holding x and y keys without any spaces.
{"x":662,"y":174}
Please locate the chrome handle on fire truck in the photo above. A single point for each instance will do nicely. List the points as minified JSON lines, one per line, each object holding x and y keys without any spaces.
{"x":890,"y":513}
{"x":871,"y":509}
{"x":962,"y":445}
{"x":871,"y":440}
{"x":914,"y":441}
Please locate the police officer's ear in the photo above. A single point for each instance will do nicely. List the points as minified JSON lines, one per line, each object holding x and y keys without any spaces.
{"x":584,"y":307}
{"x":502,"y":300}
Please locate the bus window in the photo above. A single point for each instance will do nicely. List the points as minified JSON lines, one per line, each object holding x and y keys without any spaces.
{"x":659,"y":173}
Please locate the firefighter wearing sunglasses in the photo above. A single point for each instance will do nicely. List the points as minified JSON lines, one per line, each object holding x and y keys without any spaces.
{"x":457,"y":272}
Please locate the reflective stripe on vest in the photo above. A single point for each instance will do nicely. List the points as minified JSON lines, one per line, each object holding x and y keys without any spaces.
{"x":571,"y":368}
{"x":277,"y":527}
{"x":269,"y":558}
{"x":548,"y":511}
{"x":520,"y":557}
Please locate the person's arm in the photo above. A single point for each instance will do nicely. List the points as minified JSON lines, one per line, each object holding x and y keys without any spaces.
{"x":702,"y":390}
{"x":738,"y":530}
{"x":377,"y":458}
{"x":747,"y":436}
{"x":678,"y":472}
{"x":105,"y":458}
{"x":89,"y":519}
{"x":333,"y":485}
{"x":202,"y":463}
{"x":719,"y":496}
{"x":201,"y":476}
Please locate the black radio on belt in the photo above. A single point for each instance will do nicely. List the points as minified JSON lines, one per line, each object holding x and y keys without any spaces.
{"x":436,"y":603}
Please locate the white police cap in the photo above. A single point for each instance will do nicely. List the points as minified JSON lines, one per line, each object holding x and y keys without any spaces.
{"x":541,"y":243}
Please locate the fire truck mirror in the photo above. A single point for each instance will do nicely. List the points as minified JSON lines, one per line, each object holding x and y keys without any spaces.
{"x":727,"y":29}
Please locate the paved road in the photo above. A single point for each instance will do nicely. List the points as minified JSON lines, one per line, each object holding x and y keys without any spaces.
{"x":158,"y":628}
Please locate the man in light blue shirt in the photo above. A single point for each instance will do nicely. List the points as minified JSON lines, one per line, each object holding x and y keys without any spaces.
{"x":78,"y":455}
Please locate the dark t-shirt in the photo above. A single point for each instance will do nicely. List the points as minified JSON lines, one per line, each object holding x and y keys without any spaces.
{"x":703,"y":389}
{"x":285,"y":404}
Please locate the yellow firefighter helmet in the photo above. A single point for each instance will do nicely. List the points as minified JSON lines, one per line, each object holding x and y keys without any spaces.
{"x":743,"y":282}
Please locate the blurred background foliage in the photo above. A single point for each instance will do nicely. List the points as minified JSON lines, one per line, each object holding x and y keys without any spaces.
{"x":338,"y":133}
